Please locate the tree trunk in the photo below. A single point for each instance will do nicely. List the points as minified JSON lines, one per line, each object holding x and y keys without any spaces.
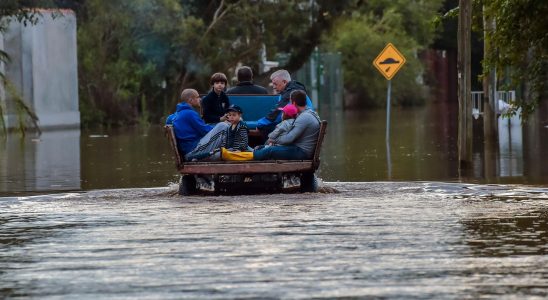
{"x":490,"y":124}
{"x":464,"y":80}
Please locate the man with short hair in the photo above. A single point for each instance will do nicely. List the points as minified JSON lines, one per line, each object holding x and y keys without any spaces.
{"x":283,"y":85}
{"x":245,"y":83}
{"x":189,"y":128}
{"x":300,"y":141}
{"x":195,"y":139}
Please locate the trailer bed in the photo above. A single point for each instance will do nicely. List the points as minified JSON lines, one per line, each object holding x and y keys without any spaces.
{"x":250,"y":176}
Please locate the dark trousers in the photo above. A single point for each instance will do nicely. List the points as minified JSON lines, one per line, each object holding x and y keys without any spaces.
{"x":280,"y":152}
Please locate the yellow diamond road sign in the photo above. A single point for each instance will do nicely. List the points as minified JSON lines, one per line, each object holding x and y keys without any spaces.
{"x":389,"y":61}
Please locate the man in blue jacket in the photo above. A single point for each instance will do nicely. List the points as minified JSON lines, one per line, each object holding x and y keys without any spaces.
{"x":188,"y":126}
{"x":284,"y":86}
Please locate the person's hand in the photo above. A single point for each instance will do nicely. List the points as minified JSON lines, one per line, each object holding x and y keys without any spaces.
{"x":224,"y":118}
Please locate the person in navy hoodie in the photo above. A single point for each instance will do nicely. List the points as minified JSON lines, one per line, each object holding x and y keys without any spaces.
{"x":215,"y":104}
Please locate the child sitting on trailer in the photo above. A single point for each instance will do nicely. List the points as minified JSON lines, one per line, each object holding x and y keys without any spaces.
{"x":289,"y":113}
{"x":233,"y":136}
{"x":237,"y":133}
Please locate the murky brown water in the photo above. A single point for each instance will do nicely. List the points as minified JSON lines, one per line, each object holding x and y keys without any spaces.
{"x":422,"y":147}
{"x":95,"y":215}
{"x":385,"y":240}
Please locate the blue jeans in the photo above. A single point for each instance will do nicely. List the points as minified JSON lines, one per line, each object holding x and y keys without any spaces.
{"x":280,"y":152}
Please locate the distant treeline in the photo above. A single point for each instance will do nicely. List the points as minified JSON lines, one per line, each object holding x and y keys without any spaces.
{"x":135,"y":56}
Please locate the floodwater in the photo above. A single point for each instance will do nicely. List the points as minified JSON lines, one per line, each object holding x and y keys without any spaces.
{"x":94,"y":214}
{"x":395,"y":240}
{"x":423,"y":147}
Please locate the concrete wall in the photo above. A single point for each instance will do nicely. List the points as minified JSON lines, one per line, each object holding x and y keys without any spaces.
{"x":44,"y":68}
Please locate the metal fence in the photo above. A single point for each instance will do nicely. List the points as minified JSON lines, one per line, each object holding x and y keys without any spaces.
{"x":478,"y":101}
{"x":323,"y":77}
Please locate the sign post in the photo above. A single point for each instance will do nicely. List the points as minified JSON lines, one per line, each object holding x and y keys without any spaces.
{"x":389,"y":62}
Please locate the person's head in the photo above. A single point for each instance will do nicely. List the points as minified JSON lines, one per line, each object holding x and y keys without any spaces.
{"x":219,"y":82}
{"x":280,"y":79}
{"x":298,"y":98}
{"x":289,"y":112}
{"x":244,"y":74}
{"x":234,"y":114}
{"x":191,"y":97}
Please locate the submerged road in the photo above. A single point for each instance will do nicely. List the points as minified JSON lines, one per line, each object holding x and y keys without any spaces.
{"x":382,"y":239}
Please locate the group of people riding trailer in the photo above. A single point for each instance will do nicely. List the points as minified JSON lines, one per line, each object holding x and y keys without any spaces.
{"x":211,"y":129}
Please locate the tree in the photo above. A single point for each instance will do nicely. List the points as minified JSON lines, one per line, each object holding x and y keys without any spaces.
{"x":518,"y":47}
{"x":135,"y":56}
{"x":362,"y":36}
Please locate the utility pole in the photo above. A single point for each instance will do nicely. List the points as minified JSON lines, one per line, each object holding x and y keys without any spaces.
{"x":464,"y":81}
{"x":490,"y":122}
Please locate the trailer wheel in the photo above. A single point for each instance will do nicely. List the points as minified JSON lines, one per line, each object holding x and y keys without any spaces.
{"x":187,"y":186}
{"x":309,"y":183}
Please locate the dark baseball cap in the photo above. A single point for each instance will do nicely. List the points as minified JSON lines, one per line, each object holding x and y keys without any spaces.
{"x":235,"y":108}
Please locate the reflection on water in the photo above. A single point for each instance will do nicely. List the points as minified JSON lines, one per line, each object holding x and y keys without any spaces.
{"x":372,"y":240}
{"x":126,"y":159}
{"x":423,"y":146}
{"x":511,"y":146}
{"x":48,"y":162}
{"x":422,"y":143}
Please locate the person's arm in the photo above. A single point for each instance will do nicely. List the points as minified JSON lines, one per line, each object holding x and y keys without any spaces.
{"x":276,"y":132}
{"x":299,"y":125}
{"x":263,"y":122}
{"x":275,"y":112}
{"x":243,"y":139}
{"x":280,"y":130}
{"x":225,"y":104}
{"x":199,"y":125}
{"x":169,"y":120}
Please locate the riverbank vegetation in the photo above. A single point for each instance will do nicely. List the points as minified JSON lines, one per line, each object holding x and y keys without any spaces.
{"x":362,"y":36}
{"x":135,"y":56}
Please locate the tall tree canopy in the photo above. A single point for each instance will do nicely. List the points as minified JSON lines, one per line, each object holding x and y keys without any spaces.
{"x":134,"y":55}
{"x":519,"y":47}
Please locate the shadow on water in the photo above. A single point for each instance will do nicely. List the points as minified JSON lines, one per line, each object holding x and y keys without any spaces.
{"x":423,"y":146}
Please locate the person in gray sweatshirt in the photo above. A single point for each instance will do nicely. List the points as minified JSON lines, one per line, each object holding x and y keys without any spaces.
{"x":299,"y":142}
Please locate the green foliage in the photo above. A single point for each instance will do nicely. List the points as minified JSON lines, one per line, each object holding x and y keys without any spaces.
{"x":109,"y":74}
{"x":24,"y":113}
{"x":363,"y":36}
{"x":518,"y":47}
{"x":130,"y":50}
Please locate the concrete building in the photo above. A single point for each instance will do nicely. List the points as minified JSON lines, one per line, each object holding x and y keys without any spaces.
{"x":43,"y":68}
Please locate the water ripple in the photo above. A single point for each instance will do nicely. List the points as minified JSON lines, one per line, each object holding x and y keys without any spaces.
{"x":381,"y":239}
